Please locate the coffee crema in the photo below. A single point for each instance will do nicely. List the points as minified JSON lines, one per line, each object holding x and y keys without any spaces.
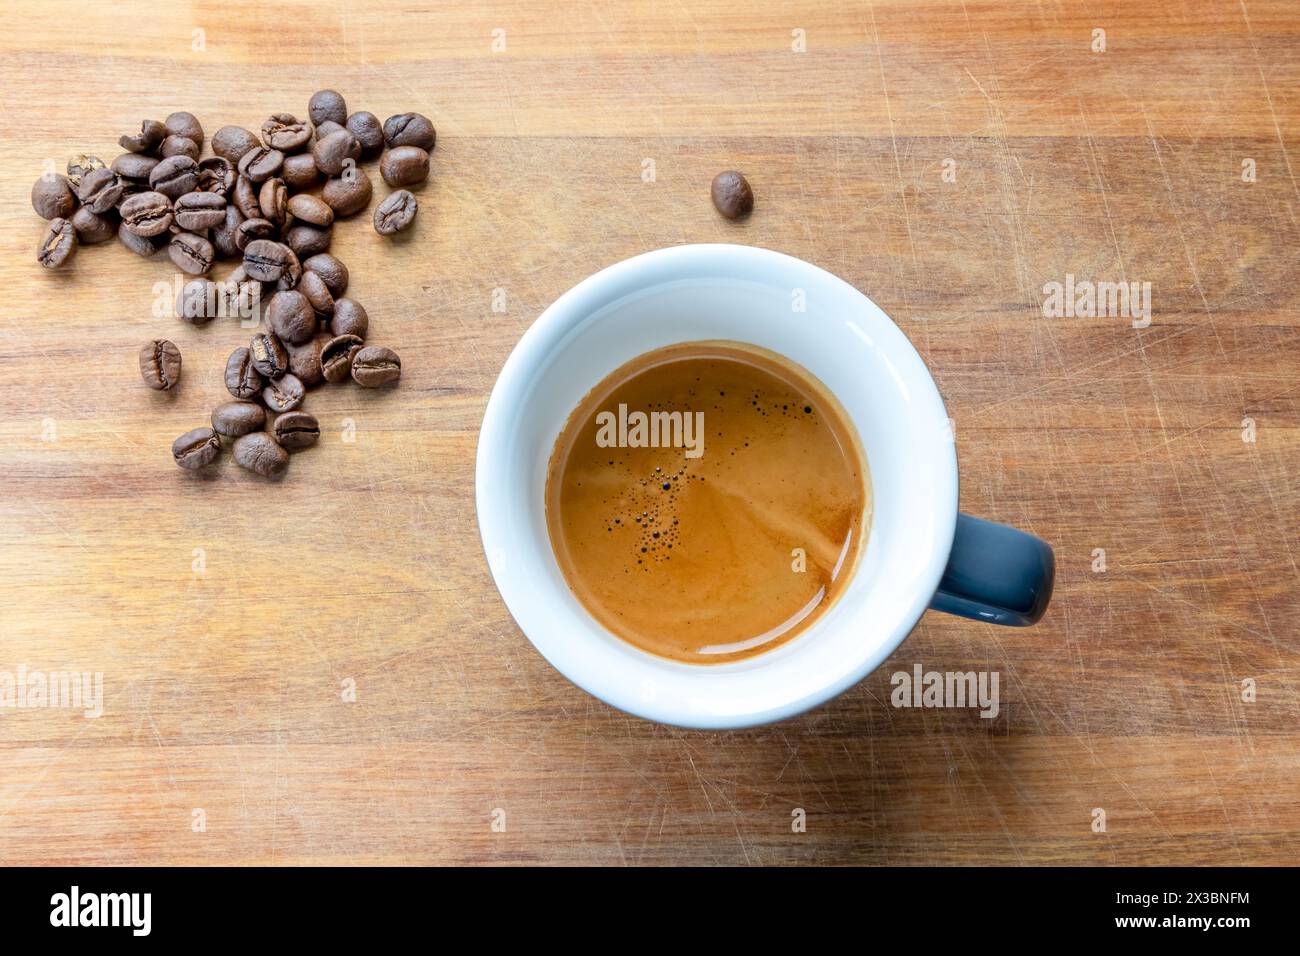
{"x":707,"y":502}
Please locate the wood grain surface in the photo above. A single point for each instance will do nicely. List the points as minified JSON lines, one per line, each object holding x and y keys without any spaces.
{"x":228,"y":615}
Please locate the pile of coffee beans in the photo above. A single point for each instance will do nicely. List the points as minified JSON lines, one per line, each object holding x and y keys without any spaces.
{"x":269,"y":202}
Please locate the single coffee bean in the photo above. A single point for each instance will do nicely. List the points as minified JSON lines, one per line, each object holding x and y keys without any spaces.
{"x":269,"y":355}
{"x":326,"y":128}
{"x":243,"y":380}
{"x":331,"y":269}
{"x":134,"y":168}
{"x":327,"y":105}
{"x":247,"y":199}
{"x":217,"y":175}
{"x":307,"y":241}
{"x":333,"y":152}
{"x":179,"y":146}
{"x":58,"y":244}
{"x":284,"y":131}
{"x":93,"y":227}
{"x":147,"y":214}
{"x":232,"y":142}
{"x":144,"y":246}
{"x":233,"y":419}
{"x":160,"y":364}
{"x":296,"y":430}
{"x":349,"y":318}
{"x":265,"y":260}
{"x":225,"y":236}
{"x":184,"y":124}
{"x":318,"y":295}
{"x":260,"y":454}
{"x":731,"y":195}
{"x":199,"y":211}
{"x":349,"y":194}
{"x":273,"y":200}
{"x":284,"y":394}
{"x":292,"y":272}
{"x":311,"y":210}
{"x":80,"y":165}
{"x":375,"y":366}
{"x":100,"y":190}
{"x":251,"y":230}
{"x":336,"y":357}
{"x":196,"y":448}
{"x":365,"y":127}
{"x":291,"y":317}
{"x":404,"y":166}
{"x":260,"y":163}
{"x":304,"y":362}
{"x":53,"y":198}
{"x":191,"y":253}
{"x":151,"y":136}
{"x":410,"y":129}
{"x":396,"y":212}
{"x":300,"y":172}
{"x":175,"y":176}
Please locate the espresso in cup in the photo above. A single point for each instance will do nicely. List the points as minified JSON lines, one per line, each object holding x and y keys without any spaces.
{"x":708,"y":501}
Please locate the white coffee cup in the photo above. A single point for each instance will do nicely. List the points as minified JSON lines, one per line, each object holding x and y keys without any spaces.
{"x":745,"y":294}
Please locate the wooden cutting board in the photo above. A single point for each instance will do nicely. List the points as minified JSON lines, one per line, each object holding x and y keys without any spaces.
{"x":950,"y":160}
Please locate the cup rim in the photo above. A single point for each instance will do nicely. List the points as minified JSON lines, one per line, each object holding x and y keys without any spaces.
{"x":529,"y":357}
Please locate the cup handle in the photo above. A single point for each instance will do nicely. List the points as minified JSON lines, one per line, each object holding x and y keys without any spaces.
{"x":996,"y":573}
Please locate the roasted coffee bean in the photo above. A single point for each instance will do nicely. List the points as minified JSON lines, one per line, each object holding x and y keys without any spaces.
{"x":80,"y":165}
{"x":197,"y":448}
{"x":232,"y":142}
{"x":273,"y":200}
{"x":307,"y":241}
{"x":284,"y":394}
{"x":296,"y":430}
{"x":327,"y":105}
{"x":261,"y":454}
{"x":191,"y":253}
{"x":731,"y":195}
{"x":265,"y":260}
{"x":410,"y":129}
{"x":285,"y":132}
{"x":331,"y":269}
{"x":333,"y":152}
{"x":179,"y":146}
{"x":349,"y":318}
{"x":336,"y":357}
{"x":369,"y":133}
{"x":300,"y":172}
{"x":240,"y":297}
{"x":134,"y":168}
{"x":53,"y":198}
{"x":318,"y":295}
{"x":404,"y":166}
{"x":147,"y":214}
{"x":200,"y":211}
{"x":160,"y":364}
{"x":251,"y":230}
{"x":243,"y":380}
{"x":225,"y":236}
{"x":245,"y":197}
{"x":260,"y":163}
{"x":100,"y":190}
{"x":93,"y":227}
{"x":175,"y":176}
{"x":144,"y":246}
{"x":198,"y":301}
{"x":395,"y":213}
{"x":269,"y":355}
{"x":151,"y":136}
{"x":291,"y":274}
{"x":291,"y":317}
{"x":350,"y":193}
{"x":58,"y":244}
{"x":217,"y":175}
{"x":304,"y":362}
{"x":375,"y":366}
{"x":184,"y":124}
{"x":233,"y":419}
{"x":328,"y":127}
{"x":311,"y":210}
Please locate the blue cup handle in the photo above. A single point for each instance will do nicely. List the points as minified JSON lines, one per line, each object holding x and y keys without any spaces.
{"x":997,"y":574}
